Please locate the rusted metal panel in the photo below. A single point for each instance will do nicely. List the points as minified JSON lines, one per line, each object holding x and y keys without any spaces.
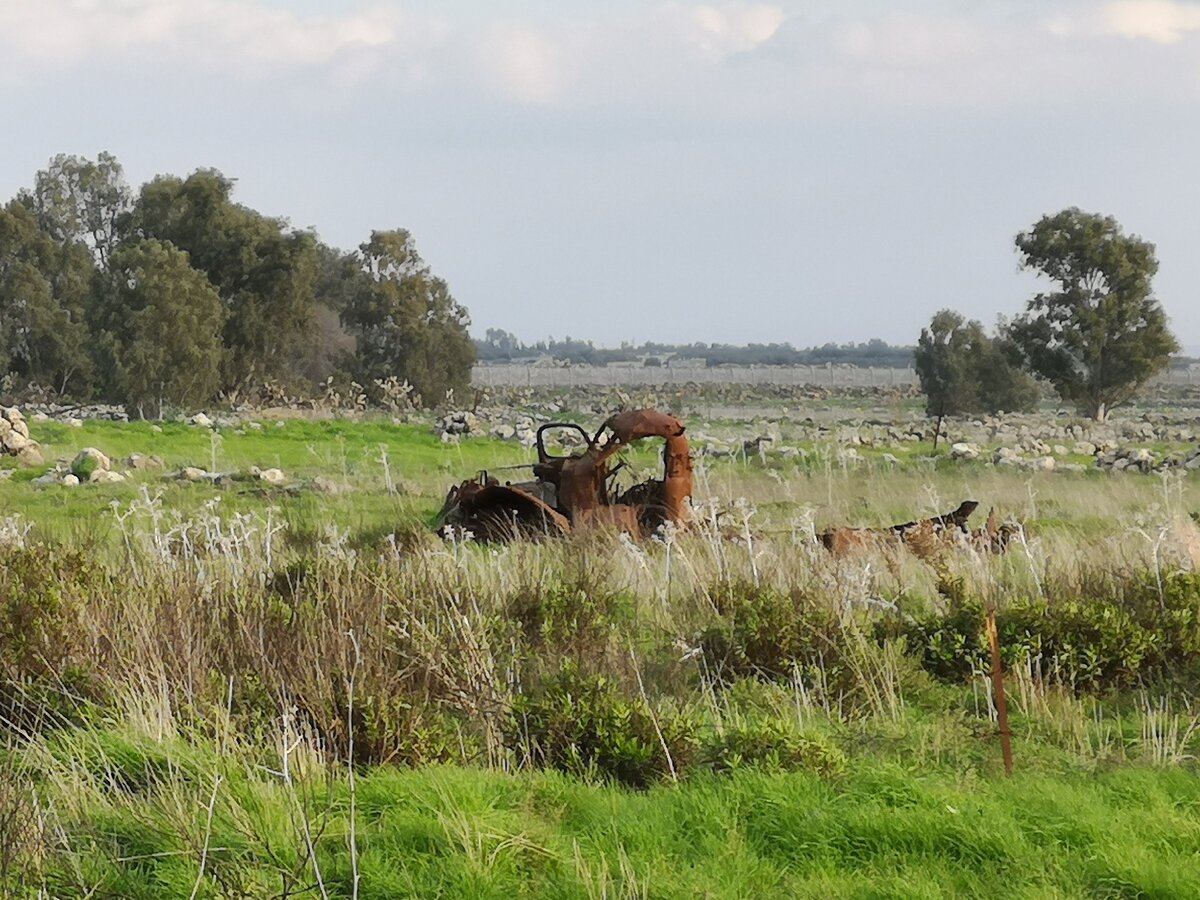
{"x":575,"y":491}
{"x":952,"y":525}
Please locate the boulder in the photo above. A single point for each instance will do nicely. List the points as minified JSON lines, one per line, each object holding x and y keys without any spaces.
{"x":105,"y":476}
{"x":30,"y":455}
{"x":141,"y":462}
{"x":14,"y":442}
{"x":192,"y":473}
{"x":87,"y":461}
{"x":201,"y":420}
{"x":323,"y":485}
{"x":273,"y":477}
{"x":964,"y":451}
{"x":1005,"y":456}
{"x":69,"y":480}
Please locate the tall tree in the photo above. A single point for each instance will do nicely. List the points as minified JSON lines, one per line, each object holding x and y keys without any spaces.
{"x":78,"y":200}
{"x":961,"y":369}
{"x":264,"y":273}
{"x":1101,"y":335}
{"x":405,"y":320}
{"x":44,"y":288}
{"x":158,"y":325}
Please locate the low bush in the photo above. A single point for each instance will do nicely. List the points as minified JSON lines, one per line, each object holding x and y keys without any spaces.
{"x":585,"y":725}
{"x":1142,"y":633}
{"x":772,"y":745}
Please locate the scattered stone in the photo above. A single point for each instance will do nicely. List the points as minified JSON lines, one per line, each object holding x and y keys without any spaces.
{"x":1039,"y":464}
{"x":323,"y":485}
{"x":192,"y":473}
{"x":1005,"y":456}
{"x":105,"y":476}
{"x":964,"y":451}
{"x":142,"y":462}
{"x":69,"y":480}
{"x":29,"y":456}
{"x":273,"y":477}
{"x":201,"y":420}
{"x":73,"y":422}
{"x":157,"y":429}
{"x":88,"y":461}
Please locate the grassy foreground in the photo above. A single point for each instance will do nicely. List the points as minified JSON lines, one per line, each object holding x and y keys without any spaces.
{"x":235,"y":691}
{"x":184,"y":822}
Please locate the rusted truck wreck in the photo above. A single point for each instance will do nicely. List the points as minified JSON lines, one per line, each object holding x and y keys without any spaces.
{"x":579,"y":491}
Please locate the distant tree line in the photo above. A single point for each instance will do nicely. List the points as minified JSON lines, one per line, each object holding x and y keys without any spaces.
{"x":1096,"y":338}
{"x":177,"y":295}
{"x":498,"y":345}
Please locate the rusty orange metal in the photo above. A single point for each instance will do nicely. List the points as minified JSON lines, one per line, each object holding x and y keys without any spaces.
{"x":577,"y":492}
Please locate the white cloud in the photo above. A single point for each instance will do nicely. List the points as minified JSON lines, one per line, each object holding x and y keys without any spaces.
{"x":219,"y":33}
{"x":523,"y":64}
{"x":721,"y":31}
{"x":1161,"y":21}
{"x":708,"y":59}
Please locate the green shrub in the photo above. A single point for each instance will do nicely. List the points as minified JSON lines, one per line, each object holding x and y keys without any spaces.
{"x":766,"y":633}
{"x":1131,"y":636}
{"x":774,"y":745}
{"x":585,"y":725}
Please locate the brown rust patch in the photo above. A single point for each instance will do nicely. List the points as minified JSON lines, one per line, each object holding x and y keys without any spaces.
{"x":576,"y":491}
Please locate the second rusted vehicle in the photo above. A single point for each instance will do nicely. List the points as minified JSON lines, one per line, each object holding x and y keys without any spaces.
{"x":578,"y":491}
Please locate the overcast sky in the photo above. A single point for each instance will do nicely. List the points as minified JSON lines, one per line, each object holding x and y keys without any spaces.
{"x":830,"y":170}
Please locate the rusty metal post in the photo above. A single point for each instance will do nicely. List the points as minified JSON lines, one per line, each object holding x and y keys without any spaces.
{"x":998,"y":690}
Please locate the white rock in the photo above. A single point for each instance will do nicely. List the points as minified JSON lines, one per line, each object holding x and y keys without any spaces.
{"x":73,"y":422}
{"x":157,"y":429}
{"x":964,"y":451}
{"x":201,"y":420}
{"x":272,"y":476}
{"x":14,"y":442}
{"x":88,"y":461}
{"x":69,"y":480}
{"x":48,"y":478}
{"x":105,"y":476}
{"x":191,"y":473}
{"x":39,"y":416}
{"x":30,"y":455}
{"x":141,"y":461}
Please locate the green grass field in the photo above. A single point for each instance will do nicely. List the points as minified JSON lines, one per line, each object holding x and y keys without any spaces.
{"x":242,"y":691}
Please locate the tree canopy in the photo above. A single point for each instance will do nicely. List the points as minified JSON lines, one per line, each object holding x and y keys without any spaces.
{"x":405,"y":320}
{"x":178,"y":294}
{"x":158,"y":328}
{"x":963,"y":370}
{"x":1101,"y":334}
